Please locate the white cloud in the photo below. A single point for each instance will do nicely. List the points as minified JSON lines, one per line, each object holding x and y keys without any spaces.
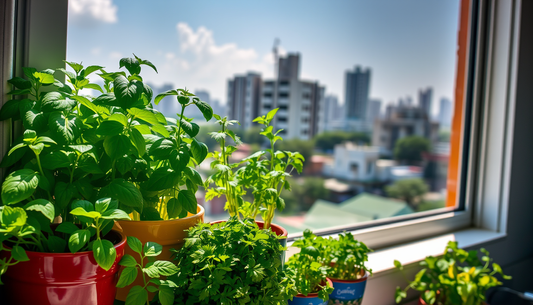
{"x":92,"y":12}
{"x":202,"y":63}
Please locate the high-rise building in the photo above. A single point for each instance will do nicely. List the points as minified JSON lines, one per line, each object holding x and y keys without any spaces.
{"x":244,"y":98}
{"x":169,"y":106}
{"x":357,"y":86}
{"x":424,"y":100}
{"x":374,"y":111}
{"x":299,"y":101}
{"x":445,"y":113}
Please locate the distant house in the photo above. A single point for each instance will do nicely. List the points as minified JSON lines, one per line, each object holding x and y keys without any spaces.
{"x":361,"y":208}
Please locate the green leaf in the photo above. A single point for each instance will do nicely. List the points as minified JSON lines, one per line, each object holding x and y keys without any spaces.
{"x":110,"y":128}
{"x":128,"y":261}
{"x":188,"y":200}
{"x":193,"y":175}
{"x":77,"y":67}
{"x":79,"y":211}
{"x":137,"y":296}
{"x":78,"y":239}
{"x":101,"y":204}
{"x":135,"y":244}
{"x":91,"y":69}
{"x":161,"y":179}
{"x":166,"y":295}
{"x":138,"y":141}
{"x":65,"y":129}
{"x":126,"y":193}
{"x":205,"y":108}
{"x":161,"y":149}
{"x":13,"y":217}
{"x":173,"y":208}
{"x":270,"y":115}
{"x":126,"y":91}
{"x":104,"y":253}
{"x":20,"y":83}
{"x":160,"y":96}
{"x":10,"y":110}
{"x":118,"y":117}
{"x":128,"y":276}
{"x":166,"y":268}
{"x":107,"y":99}
{"x":160,"y":129}
{"x":67,"y":227}
{"x":199,"y":151}
{"x":56,"y":244}
{"x":44,"y":78}
{"x":179,"y":159}
{"x":19,"y":254}
{"x":152,"y":249}
{"x":145,"y":62}
{"x":124,"y":164}
{"x":57,"y":159}
{"x":117,"y":146}
{"x":41,"y":205}
{"x":144,"y":115}
{"x":64,"y":192}
{"x":19,"y":185}
{"x":115,"y":214}
{"x":56,"y":101}
{"x":190,"y":128}
{"x":131,"y":64}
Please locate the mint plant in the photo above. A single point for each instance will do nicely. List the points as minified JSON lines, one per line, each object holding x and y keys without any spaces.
{"x":264,"y":173}
{"x":307,"y":267}
{"x":233,"y":262}
{"x":151,"y":271}
{"x":458,"y":277}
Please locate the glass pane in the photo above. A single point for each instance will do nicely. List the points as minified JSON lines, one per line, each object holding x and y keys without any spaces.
{"x":371,"y":93}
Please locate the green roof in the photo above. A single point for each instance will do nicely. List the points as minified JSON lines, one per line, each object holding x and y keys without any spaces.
{"x":375,"y":207}
{"x":324,"y":214}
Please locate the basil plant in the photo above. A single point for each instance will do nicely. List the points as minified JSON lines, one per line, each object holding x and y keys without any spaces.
{"x":79,"y":148}
{"x":263,"y":174}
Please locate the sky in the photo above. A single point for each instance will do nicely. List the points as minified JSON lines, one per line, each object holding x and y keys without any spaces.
{"x":407,"y":44}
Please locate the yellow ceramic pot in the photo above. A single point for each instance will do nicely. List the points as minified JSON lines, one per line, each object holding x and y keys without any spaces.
{"x":168,"y":233}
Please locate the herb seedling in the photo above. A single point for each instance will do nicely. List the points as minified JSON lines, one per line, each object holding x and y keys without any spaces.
{"x":346,"y":257}
{"x":458,"y":277}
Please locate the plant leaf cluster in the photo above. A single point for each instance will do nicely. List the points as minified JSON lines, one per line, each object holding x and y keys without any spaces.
{"x":77,"y":147}
{"x":234,"y":262}
{"x":457,"y":277}
{"x":151,"y":273}
{"x":263,"y":174}
{"x":346,"y":256}
{"x":308,"y":268}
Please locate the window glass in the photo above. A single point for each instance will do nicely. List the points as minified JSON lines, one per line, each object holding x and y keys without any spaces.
{"x":377,"y":89}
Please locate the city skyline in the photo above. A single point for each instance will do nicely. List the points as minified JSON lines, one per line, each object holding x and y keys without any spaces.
{"x":206,"y":45}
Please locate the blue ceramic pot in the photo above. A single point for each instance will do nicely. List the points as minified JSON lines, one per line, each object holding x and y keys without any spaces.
{"x":348,"y":292}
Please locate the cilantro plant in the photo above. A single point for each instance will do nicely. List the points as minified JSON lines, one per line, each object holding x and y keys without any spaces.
{"x":307,"y":267}
{"x":233,"y":262}
{"x":150,"y":272}
{"x":346,"y":257}
{"x":263,"y":174}
{"x":458,"y":277}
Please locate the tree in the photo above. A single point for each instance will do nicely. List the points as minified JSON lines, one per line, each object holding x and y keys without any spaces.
{"x":410,"y":149}
{"x":411,"y":191}
{"x":326,"y":141}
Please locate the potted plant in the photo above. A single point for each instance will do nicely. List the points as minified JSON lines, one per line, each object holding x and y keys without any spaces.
{"x":154,"y":156}
{"x":234,"y":262}
{"x":263,"y":175}
{"x":54,"y":174}
{"x":458,"y":277}
{"x":348,"y":273}
{"x":308,"y":272}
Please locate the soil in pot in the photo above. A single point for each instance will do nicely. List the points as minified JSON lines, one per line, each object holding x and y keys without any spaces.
{"x":348,"y":292}
{"x":170,"y":234}
{"x":63,"y":278}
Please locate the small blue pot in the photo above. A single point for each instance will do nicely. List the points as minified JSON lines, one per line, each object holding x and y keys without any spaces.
{"x":310,"y":299}
{"x":348,"y":292}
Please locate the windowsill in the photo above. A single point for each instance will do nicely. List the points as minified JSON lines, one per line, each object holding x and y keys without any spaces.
{"x":382,"y":261}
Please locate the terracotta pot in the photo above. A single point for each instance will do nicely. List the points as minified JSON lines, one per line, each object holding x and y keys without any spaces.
{"x":63,"y":278}
{"x":310,"y":299}
{"x":170,"y":234}
{"x":279,"y":230}
{"x":348,"y":291}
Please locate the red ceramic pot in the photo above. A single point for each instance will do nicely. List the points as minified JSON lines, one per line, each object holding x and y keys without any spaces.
{"x":63,"y":278}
